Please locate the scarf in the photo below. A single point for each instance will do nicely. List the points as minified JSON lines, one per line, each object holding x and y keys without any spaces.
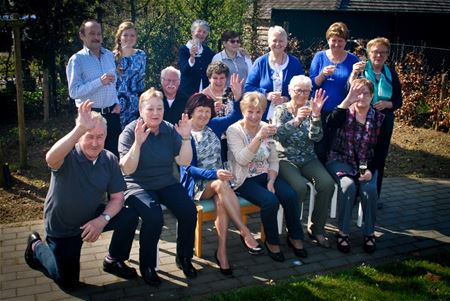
{"x":383,"y":87}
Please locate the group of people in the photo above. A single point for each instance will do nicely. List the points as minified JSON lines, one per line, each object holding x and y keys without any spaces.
{"x":261,"y":131}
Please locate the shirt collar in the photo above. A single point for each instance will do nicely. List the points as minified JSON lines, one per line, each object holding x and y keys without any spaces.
{"x":82,"y":158}
{"x":88,"y":51}
{"x":225,"y":55}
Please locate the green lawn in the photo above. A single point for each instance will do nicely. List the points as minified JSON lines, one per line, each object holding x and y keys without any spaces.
{"x":411,"y":279}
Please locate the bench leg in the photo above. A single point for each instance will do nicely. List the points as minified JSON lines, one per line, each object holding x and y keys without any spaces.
{"x":198,"y":233}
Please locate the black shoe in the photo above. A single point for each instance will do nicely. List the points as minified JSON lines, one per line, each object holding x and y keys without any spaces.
{"x":119,"y":268}
{"x":185,"y":264}
{"x":226,"y":272}
{"x":369,"y":248}
{"x":252,"y":251}
{"x":324,"y":243}
{"x":340,"y":239}
{"x":29,"y":258}
{"x":275,"y":256}
{"x":150,"y":276}
{"x":298,"y":252}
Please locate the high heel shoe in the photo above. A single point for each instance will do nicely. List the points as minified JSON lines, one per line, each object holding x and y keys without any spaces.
{"x":226,"y":272}
{"x":298,"y":252}
{"x":324,"y":242}
{"x":279,"y":256}
{"x":252,"y":251}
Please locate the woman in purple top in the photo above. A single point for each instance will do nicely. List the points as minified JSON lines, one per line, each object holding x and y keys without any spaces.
{"x":330,"y":70}
{"x":354,"y":160}
{"x":272,"y":72}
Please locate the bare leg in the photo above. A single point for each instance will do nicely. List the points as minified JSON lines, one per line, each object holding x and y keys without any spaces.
{"x":221,"y":223}
{"x":233,"y":209}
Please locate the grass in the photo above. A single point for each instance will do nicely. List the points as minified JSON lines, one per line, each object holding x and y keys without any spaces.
{"x":416,"y":278}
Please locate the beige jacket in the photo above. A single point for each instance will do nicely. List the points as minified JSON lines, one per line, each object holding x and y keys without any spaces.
{"x":240,"y":156}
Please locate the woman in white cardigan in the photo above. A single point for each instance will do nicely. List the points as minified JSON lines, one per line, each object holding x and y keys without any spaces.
{"x":254,"y":161}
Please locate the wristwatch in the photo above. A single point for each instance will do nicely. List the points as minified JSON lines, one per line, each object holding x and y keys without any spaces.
{"x":106,"y":216}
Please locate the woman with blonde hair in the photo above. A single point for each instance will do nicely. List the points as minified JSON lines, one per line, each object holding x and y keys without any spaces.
{"x":388,"y":92}
{"x":131,"y":63}
{"x":254,"y":161}
{"x":148,"y":148}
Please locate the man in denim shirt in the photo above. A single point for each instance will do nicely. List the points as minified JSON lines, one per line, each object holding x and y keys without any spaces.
{"x":91,"y":74}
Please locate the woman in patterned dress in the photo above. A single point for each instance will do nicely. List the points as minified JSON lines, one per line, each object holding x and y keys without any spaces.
{"x":205,"y":178}
{"x":130,"y":64}
{"x":298,"y":127}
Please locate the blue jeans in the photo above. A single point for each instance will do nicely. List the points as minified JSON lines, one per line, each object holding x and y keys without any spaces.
{"x":349,"y":190}
{"x":255,"y":191}
{"x":147,"y":205}
{"x":60,"y":257}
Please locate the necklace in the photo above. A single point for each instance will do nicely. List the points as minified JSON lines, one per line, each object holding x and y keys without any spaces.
{"x":215,"y":97}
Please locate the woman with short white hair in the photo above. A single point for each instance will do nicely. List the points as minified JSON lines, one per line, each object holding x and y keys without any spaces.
{"x":298,"y":127}
{"x":272,"y":72}
{"x":193,"y":59}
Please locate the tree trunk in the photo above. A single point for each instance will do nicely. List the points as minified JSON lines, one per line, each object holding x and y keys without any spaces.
{"x":46,"y":90}
{"x":19,"y":92}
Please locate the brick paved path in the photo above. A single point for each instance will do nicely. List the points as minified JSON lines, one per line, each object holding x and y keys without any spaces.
{"x":415,"y":218}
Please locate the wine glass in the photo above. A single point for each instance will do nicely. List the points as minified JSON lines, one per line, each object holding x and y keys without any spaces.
{"x":363,"y":62}
{"x":227,"y":166}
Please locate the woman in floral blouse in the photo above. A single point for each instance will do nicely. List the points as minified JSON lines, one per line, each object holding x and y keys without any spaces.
{"x":131,"y":64}
{"x":355,"y":158}
{"x":298,"y":127}
{"x":205,"y":178}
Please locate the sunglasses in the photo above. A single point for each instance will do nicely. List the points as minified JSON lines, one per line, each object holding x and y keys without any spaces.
{"x":234,"y":41}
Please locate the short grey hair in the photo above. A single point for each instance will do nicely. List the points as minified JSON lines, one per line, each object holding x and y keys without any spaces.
{"x":99,"y":118}
{"x":300,"y":80}
{"x":279,"y":29}
{"x":198,"y":23}
{"x":170,"y":69}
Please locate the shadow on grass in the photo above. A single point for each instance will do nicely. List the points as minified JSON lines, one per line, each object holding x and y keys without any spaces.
{"x":405,"y":162}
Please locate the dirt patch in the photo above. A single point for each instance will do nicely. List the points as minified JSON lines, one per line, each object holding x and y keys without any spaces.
{"x":414,"y":152}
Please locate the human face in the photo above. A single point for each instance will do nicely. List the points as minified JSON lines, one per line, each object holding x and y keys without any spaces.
{"x":152,"y":112}
{"x":299,"y":94}
{"x":378,"y":54}
{"x":336,"y":44}
{"x":200,"y":33}
{"x":200,"y":117}
{"x":232,"y":45}
{"x":364,"y":98}
{"x":128,"y":38}
{"x":93,"y":141}
{"x":170,"y":84}
{"x":92,"y":36}
{"x":277,"y":42}
{"x":252,"y":116}
{"x":218,"y":81}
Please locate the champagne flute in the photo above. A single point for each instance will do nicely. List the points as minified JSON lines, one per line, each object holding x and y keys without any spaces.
{"x":270,"y":139}
{"x":333,"y":66}
{"x":362,"y":167}
{"x":363,"y":62}
{"x":227,"y":166}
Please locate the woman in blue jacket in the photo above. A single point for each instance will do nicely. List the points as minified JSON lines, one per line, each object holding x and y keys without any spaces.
{"x":272,"y":72}
{"x":205,"y":178}
{"x":194,"y":58}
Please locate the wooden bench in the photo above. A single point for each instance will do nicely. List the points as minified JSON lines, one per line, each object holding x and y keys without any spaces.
{"x":206,"y":211}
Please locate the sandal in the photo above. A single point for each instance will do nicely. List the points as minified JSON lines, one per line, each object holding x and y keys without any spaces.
{"x":343,"y":243}
{"x":369,"y":248}
{"x":320,"y":240}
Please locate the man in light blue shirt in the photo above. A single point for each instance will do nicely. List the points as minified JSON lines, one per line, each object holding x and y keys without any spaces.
{"x":91,"y":74}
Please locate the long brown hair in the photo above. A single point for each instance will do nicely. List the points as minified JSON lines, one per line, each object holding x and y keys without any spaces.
{"x":118,"y":47}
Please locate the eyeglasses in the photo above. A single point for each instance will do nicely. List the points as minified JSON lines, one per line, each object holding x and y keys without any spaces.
{"x":171,"y":81}
{"x":300,"y":91}
{"x":376,"y":52}
{"x":234,"y":41}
